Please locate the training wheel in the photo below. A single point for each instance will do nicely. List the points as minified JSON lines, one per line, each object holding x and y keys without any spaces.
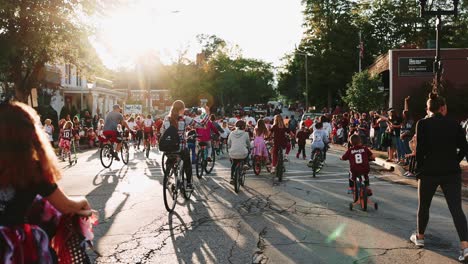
{"x":351,"y":206}
{"x":376,"y":206}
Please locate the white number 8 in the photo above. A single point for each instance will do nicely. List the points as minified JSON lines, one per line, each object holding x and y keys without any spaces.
{"x":358,"y":158}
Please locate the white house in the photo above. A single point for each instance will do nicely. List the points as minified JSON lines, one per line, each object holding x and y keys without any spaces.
{"x":98,"y":97}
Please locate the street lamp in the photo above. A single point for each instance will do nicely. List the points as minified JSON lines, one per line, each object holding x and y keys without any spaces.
{"x":306,"y":78}
{"x":438,"y":13}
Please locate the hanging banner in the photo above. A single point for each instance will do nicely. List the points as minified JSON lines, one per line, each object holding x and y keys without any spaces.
{"x":133,"y":109}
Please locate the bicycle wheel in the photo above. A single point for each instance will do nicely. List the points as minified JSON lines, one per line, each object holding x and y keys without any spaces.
{"x":199,"y":164}
{"x":356,"y":192}
{"x":242,"y":177}
{"x":163,"y":162}
{"x":210,"y":164}
{"x":170,"y":190}
{"x":181,"y":170}
{"x":268,"y":165}
{"x":147,"y":150}
{"x":363,"y":197}
{"x":257,"y":165}
{"x":106,"y":155}
{"x":125,"y":153}
{"x":280,"y":166}
{"x":237,"y":179}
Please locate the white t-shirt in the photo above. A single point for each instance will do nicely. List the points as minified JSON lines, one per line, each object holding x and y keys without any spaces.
{"x":250,"y":119}
{"x":49,"y":129}
{"x":326,"y":128}
{"x":132,"y":125}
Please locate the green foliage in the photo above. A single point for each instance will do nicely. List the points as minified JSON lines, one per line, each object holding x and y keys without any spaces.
{"x":36,"y":32}
{"x":363,"y":94}
{"x":225,"y":78}
{"x":331,"y":38}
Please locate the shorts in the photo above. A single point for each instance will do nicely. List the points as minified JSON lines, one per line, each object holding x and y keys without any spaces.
{"x":112,"y":136}
{"x":148,"y":135}
{"x":64,"y":143}
{"x":353,"y":176}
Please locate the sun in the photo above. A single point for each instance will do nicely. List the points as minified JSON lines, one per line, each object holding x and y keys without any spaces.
{"x":129,"y":32}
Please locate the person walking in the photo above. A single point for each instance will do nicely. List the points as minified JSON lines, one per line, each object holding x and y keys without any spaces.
{"x":441,"y":146}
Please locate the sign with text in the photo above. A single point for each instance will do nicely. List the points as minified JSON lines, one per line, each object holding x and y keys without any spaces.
{"x":415,"y":67}
{"x":133,"y":109}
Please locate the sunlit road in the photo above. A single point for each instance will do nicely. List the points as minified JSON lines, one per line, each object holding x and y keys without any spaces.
{"x":302,"y":220}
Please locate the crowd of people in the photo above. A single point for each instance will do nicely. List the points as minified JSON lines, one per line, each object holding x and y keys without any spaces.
{"x":29,"y":165}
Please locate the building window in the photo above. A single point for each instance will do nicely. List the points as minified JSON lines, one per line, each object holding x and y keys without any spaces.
{"x":68,"y":74}
{"x":78,"y":78}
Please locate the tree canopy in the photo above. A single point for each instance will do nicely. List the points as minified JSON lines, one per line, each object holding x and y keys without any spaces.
{"x":36,"y":32}
{"x":331,"y":38}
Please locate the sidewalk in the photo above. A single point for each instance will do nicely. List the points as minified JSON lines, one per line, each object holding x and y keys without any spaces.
{"x":399,"y":171}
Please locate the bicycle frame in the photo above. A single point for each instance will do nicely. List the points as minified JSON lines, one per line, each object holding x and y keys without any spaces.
{"x":360,"y":195}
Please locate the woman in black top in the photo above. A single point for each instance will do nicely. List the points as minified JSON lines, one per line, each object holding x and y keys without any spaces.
{"x":441,"y":146}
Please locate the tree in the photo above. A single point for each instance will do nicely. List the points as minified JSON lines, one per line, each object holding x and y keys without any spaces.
{"x":363,"y":94}
{"x":36,"y":32}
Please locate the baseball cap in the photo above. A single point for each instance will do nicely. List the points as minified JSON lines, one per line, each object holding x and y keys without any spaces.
{"x":116,"y":106}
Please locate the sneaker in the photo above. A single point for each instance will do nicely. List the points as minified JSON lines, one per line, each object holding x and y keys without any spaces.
{"x":369,"y":192}
{"x":310,"y":163}
{"x":416,"y":241}
{"x":410,"y":175}
{"x":208,"y":159}
{"x":189,"y":186}
{"x":304,"y":157}
{"x":286,"y":159}
{"x":297,"y":155}
{"x":231,"y":181}
{"x":350,"y":190}
{"x":463,"y":255}
{"x":246,"y":167}
{"x":273,"y":170}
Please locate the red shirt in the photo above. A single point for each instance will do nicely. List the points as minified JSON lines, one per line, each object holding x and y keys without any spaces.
{"x":358,"y":157}
{"x":308,"y":123}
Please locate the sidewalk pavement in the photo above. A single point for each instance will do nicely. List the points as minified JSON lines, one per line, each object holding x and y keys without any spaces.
{"x":399,"y":171}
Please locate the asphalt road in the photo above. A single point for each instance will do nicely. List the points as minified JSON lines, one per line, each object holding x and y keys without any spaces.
{"x":301,"y":220}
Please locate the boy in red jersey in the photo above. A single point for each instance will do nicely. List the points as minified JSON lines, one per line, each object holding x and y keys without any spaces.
{"x":359,"y":157}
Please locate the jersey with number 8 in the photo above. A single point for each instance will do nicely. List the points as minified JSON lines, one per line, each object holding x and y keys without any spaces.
{"x":358,"y":159}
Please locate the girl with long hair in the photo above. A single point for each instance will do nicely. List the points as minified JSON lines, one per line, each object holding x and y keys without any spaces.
{"x":28,"y":167}
{"x":180,"y":121}
{"x":279,"y":133}
{"x":260,"y":132}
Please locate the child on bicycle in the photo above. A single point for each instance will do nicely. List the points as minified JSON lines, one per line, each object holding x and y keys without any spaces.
{"x":65,"y":139}
{"x":148,"y":131}
{"x":238,"y":145}
{"x":359,"y":157}
{"x":319,"y":141}
{"x":260,"y":133}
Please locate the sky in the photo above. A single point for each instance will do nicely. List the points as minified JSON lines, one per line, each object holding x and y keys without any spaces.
{"x":263,"y":29}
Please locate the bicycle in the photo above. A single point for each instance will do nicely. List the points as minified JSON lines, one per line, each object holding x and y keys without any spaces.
{"x":107,"y":152}
{"x":67,"y":152}
{"x":174,"y":181}
{"x":202,"y":163}
{"x":360,"y":195}
{"x":239,"y":174}
{"x":317,"y":159}
{"x":259,"y":161}
{"x":280,"y":169}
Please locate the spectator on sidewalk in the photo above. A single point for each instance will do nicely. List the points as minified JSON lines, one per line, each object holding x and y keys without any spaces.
{"x":440,"y":147}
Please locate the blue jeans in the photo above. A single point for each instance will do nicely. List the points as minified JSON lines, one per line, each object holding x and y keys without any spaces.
{"x":401,"y":151}
{"x":191,"y":147}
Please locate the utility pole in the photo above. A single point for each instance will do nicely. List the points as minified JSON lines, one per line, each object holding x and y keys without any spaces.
{"x":360,"y":51}
{"x":307,"y":85}
{"x":306,"y":68}
{"x":438,"y":13}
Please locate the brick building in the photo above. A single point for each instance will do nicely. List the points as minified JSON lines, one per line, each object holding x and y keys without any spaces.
{"x":404,"y":72}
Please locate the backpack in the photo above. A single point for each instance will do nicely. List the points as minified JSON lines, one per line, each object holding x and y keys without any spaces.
{"x":169,"y":141}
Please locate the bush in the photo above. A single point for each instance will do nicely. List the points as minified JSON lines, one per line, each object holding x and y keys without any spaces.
{"x":363,"y":94}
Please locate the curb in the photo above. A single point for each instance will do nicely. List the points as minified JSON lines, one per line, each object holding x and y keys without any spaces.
{"x":398,"y":173}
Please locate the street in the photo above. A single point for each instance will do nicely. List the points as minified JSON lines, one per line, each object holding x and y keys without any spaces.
{"x":301,"y":220}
